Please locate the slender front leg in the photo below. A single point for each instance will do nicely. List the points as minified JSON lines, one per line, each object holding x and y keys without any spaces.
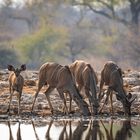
{"x":108,"y":94}
{"x":64,"y":100}
{"x":19,"y":97}
{"x":11,"y":94}
{"x":65,"y":108}
{"x":89,"y":97}
{"x":79,"y":101}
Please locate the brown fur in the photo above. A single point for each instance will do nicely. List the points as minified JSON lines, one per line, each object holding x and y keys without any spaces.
{"x":59,"y":77}
{"x":16,"y":82}
{"x":86,"y":78}
{"x":111,"y":75}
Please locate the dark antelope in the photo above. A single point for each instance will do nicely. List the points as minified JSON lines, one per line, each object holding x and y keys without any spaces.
{"x":111,"y":75}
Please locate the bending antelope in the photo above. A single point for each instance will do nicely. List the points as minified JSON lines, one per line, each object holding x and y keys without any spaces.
{"x":111,"y":75}
{"x":86,"y":78}
{"x":59,"y":77}
{"x":16,"y":82}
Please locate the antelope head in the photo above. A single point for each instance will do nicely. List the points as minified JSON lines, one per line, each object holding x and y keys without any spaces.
{"x":127,"y":102}
{"x":17,"y":71}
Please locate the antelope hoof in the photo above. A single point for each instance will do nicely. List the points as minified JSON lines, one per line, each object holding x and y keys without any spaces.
{"x":100,"y":111}
{"x":95,"y":113}
{"x":32,"y":111}
{"x":52,"y":111}
{"x":8,"y":111}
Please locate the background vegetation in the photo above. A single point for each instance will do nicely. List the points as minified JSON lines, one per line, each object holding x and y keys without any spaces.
{"x":37,"y":31}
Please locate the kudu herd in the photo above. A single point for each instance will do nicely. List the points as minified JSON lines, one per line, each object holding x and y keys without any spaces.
{"x":71,"y":79}
{"x":59,"y":77}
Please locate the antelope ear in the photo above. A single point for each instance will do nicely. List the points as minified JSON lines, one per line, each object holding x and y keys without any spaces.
{"x":23,"y":67}
{"x":129,"y":96}
{"x":10,"y":68}
{"x":133,"y":99}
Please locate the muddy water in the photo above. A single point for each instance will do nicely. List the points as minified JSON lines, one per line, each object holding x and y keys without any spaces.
{"x":75,"y":129}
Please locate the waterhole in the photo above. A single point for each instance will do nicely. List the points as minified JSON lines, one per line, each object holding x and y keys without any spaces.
{"x":70,"y":129}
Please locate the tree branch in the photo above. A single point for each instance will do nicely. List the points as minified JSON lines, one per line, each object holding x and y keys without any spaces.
{"x":121,"y":20}
{"x":92,"y":9}
{"x":106,"y":4}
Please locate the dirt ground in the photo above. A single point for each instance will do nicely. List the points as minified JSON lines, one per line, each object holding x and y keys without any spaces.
{"x":41,"y":109}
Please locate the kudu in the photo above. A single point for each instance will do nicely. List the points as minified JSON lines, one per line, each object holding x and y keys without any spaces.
{"x":59,"y":77}
{"x":111,"y":75}
{"x":85,"y":77}
{"x":16,"y":82}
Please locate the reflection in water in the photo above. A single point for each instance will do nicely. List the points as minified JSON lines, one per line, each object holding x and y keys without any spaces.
{"x":108,"y":133}
{"x":125,"y":132}
{"x":10,"y":131}
{"x":47,"y":136}
{"x":69,"y":130}
{"x":35,"y":131}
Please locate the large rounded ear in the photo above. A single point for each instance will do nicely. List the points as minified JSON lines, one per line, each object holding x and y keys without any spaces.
{"x":129,"y":96}
{"x":133,"y":99}
{"x":10,"y":68}
{"x":23,"y":67}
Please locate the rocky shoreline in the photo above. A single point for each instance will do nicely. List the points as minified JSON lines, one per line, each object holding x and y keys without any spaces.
{"x":131,"y":84}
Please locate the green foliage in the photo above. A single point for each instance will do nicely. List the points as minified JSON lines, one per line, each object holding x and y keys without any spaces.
{"x":41,"y":45}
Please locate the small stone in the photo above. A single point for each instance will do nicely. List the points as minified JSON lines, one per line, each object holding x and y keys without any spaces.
{"x":30,"y":83}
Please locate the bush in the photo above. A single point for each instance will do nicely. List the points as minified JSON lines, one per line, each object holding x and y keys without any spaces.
{"x":8,"y":56}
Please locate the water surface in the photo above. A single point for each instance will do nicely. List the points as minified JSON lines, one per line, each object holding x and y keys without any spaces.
{"x":76,"y":129}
